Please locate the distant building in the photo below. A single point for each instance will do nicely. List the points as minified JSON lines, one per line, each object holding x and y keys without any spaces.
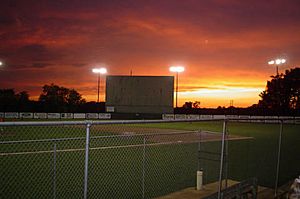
{"x":139,"y":94}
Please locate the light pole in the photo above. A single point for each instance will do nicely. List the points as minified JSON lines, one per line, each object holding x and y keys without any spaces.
{"x":177,"y":70}
{"x":99,"y":71}
{"x":277,"y":62}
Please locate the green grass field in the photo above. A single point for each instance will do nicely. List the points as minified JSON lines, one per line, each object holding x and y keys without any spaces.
{"x":258,"y":156}
{"x":126,"y":172}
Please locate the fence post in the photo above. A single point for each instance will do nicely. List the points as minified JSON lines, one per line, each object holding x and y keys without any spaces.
{"x":54,"y":171}
{"x":88,"y":125}
{"x":278,"y":158}
{"x":222,"y":159}
{"x":199,"y":152}
{"x":226,"y":156}
{"x":144,"y":162}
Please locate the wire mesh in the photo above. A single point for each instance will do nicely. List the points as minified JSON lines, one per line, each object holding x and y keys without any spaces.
{"x":132,"y":164}
{"x":139,"y":160}
{"x":41,"y":161}
{"x":289,"y":159}
{"x":257,"y":154}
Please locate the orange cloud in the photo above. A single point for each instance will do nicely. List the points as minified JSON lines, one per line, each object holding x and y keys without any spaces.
{"x":224,"y":46}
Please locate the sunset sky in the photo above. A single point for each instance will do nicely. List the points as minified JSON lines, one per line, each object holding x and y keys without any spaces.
{"x":224,"y":45}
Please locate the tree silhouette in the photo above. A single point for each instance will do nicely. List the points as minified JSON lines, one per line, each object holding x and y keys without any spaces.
{"x":74,"y":100}
{"x":8,"y":100}
{"x":292,"y":80}
{"x":59,"y":99}
{"x":23,"y":101}
{"x":188,"y":105}
{"x":282,"y":92}
{"x":196,"y":104}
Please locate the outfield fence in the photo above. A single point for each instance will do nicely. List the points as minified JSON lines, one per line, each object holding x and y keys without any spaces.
{"x":140,"y":159}
{"x":109,"y":116}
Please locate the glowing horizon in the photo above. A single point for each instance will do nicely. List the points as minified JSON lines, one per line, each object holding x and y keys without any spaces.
{"x":209,"y":97}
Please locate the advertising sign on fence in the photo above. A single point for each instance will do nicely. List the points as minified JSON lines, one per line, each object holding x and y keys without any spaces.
{"x":168,"y":116}
{"x":104,"y":116}
{"x":297,"y":120}
{"x":110,"y":109}
{"x":53,"y":115}
{"x":244,"y":118}
{"x":26,"y":115}
{"x":79,"y":115}
{"x":66,"y":115}
{"x":288,"y":119}
{"x":206,"y":116}
{"x":192,"y":117}
{"x":271,"y":119}
{"x":40,"y":115}
{"x":232,"y":116}
{"x":219,"y":116}
{"x":180,"y":117}
{"x":12,"y":115}
{"x":92,"y":116}
{"x":257,"y":118}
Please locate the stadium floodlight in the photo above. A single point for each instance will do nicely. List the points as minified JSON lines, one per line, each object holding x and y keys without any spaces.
{"x":277,"y":62}
{"x":99,"y":71}
{"x":177,"y":70}
{"x":271,"y":62}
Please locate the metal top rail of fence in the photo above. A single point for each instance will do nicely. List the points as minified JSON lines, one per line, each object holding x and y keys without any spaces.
{"x":91,"y":122}
{"x":107,"y":122}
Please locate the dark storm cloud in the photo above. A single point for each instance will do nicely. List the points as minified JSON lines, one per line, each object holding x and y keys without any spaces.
{"x":30,"y":56}
{"x":79,"y":65}
{"x":228,"y":14}
{"x":208,"y":14}
{"x":37,"y":52}
{"x":29,"y":66}
{"x":34,"y":48}
{"x":7,"y":20}
{"x":41,"y":65}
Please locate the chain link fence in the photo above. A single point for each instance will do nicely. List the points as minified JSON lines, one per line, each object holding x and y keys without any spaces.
{"x":139,"y":159}
{"x":271,"y":154}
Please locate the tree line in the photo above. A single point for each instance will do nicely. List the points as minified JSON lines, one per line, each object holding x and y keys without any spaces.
{"x":281,"y":97}
{"x":53,"y":98}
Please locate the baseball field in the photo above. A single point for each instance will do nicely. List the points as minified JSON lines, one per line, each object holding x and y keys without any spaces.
{"x":139,"y":160}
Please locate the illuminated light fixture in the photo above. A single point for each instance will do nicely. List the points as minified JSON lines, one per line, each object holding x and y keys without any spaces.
{"x":1,"y":63}
{"x":277,"y":62}
{"x":99,"y":71}
{"x":271,"y":62}
{"x":176,"y":69}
